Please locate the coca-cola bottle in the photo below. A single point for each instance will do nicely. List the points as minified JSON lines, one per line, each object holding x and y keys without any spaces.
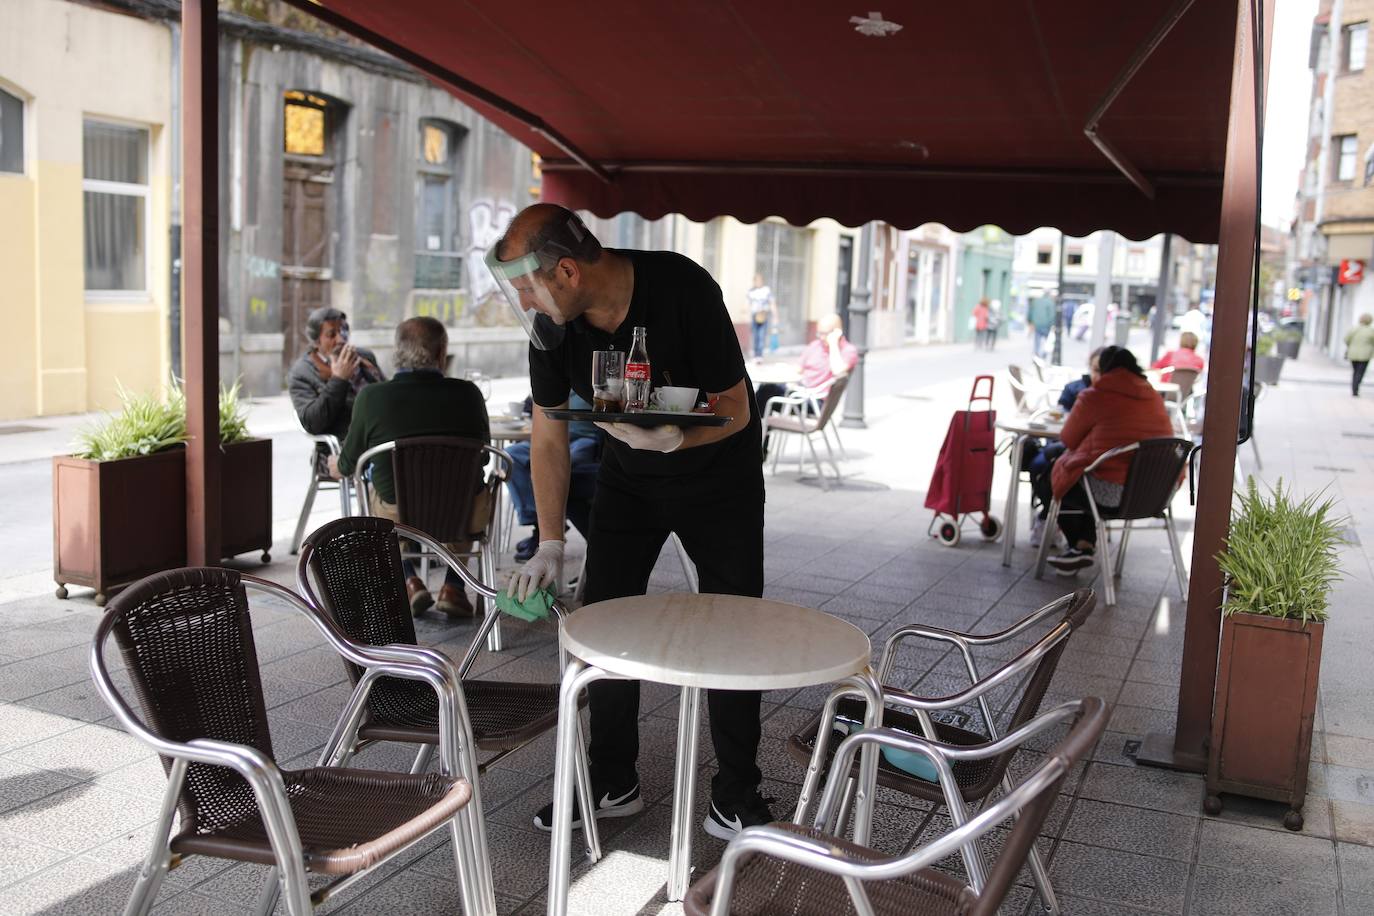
{"x":637,"y":380}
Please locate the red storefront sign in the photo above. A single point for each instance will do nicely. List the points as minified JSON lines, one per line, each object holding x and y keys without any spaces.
{"x":1350,"y":272}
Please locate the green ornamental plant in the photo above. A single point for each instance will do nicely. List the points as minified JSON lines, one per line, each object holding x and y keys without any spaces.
{"x":146,"y":424}
{"x":1287,"y":335}
{"x":1281,"y":556}
{"x":1265,"y":345}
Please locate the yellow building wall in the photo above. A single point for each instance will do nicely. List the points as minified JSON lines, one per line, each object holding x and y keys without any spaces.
{"x":19,"y":370}
{"x":70,"y":63}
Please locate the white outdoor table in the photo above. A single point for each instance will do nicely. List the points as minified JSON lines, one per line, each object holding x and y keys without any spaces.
{"x":724,"y":642}
{"x":1023,"y":429}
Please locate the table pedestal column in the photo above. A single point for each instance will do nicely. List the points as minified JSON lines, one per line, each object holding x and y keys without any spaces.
{"x":684,"y":792}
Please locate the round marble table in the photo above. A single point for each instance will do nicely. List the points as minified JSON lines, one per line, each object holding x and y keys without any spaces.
{"x":724,"y":642}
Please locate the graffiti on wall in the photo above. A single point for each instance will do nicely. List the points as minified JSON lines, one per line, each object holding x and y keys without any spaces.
{"x":487,"y":219}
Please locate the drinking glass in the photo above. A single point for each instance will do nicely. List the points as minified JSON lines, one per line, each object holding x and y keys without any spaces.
{"x":608,"y":381}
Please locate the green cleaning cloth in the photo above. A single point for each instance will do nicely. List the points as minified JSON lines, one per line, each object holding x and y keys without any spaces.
{"x":535,"y":607}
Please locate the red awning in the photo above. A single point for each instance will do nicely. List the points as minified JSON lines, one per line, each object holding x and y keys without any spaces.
{"x":971,"y":113}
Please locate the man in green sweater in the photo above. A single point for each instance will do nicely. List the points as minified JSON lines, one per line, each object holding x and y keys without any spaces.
{"x":417,"y":401}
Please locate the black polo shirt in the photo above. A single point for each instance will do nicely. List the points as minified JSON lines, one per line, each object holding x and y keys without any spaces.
{"x":690,"y":337}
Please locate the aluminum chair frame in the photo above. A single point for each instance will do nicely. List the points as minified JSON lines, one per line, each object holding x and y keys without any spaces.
{"x":794,"y":406}
{"x":467,"y":828}
{"x":1009,"y":673}
{"x":321,"y":482}
{"x":822,"y":856}
{"x":487,"y":547}
{"x":343,"y":742}
{"x":1110,"y":575}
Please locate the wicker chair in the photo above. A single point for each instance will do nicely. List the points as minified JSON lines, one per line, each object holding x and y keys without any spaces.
{"x":974,"y":779}
{"x":436,"y":480}
{"x":803,"y":413}
{"x":356,"y":565}
{"x":326,"y":446}
{"x":188,"y":642}
{"x":807,"y":871}
{"x":1155,"y":474}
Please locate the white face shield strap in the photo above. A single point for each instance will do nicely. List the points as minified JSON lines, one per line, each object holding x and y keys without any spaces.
{"x":522,"y":282}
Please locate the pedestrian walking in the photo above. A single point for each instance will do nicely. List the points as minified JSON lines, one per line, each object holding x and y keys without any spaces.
{"x":1041,"y":317}
{"x":763,"y":312}
{"x":1359,"y":348}
{"x":979,"y":320}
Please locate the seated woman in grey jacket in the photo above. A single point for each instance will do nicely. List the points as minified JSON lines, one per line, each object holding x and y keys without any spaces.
{"x":324,"y":381}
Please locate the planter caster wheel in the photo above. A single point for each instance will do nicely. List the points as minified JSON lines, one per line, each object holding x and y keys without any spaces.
{"x":1212,"y":804}
{"x":100,"y":599}
{"x":62,"y":591}
{"x":948,"y":534}
{"x":266,"y":557}
{"x":1293,"y":820}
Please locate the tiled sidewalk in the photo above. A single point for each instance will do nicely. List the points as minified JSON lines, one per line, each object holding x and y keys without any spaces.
{"x":77,"y":796}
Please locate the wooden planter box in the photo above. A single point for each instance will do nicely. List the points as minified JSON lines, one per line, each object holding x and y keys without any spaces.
{"x":1265,"y":703}
{"x":246,"y":498}
{"x":115,"y":522}
{"x":1267,"y":369}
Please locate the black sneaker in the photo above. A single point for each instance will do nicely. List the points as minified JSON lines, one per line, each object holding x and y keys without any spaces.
{"x":724,"y":821}
{"x":614,"y":803}
{"x":1072,"y":560}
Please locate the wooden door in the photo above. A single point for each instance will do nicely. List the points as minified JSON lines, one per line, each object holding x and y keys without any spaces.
{"x":306,"y":264}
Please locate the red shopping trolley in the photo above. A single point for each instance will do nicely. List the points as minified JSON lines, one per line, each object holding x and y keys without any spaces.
{"x":962,"y":483}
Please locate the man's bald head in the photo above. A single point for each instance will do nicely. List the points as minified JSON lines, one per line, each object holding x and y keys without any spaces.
{"x":828,"y":324}
{"x":549,"y":228}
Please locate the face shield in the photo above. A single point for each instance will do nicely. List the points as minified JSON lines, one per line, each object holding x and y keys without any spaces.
{"x":524,"y":283}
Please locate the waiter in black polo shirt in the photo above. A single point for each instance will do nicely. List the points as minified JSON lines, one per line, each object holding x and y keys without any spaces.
{"x":704,"y":484}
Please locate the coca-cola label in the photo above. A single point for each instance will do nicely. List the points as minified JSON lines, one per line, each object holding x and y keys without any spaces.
{"x":637,"y":372}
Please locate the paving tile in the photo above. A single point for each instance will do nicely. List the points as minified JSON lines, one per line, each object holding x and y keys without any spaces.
{"x":1353,"y":822}
{"x":1348,"y":751}
{"x":1357,"y":868}
{"x":1155,"y":672}
{"x":26,"y":678}
{"x":1219,"y":892}
{"x":1144,"y":787}
{"x":78,"y":886}
{"x":81,"y":817}
{"x":1149,"y":696}
{"x":1110,"y":876}
{"x":75,"y":701}
{"x":1268,"y":815}
{"x":1242,"y":848}
{"x":21,"y":784}
{"x":89,"y":748}
{"x":1139,"y":720}
{"x":1082,"y":906}
{"x":1128,"y":829}
{"x":20,"y":858}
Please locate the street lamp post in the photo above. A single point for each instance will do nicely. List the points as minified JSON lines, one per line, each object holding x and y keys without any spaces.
{"x":860,"y":304}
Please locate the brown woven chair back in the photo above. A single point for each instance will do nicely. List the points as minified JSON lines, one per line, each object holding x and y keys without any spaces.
{"x":1076,"y":613}
{"x":187,"y":640}
{"x":357,"y":566}
{"x":1076,"y":746}
{"x":832,"y":400}
{"x":436,"y":480}
{"x":1185,"y":379}
{"x":1156,"y":468}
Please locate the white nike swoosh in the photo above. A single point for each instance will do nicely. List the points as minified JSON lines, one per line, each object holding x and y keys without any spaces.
{"x":733,"y":823}
{"x":608,"y":802}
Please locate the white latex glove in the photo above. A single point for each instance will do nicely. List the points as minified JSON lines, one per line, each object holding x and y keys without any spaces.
{"x":651,"y":439}
{"x":543,"y":569}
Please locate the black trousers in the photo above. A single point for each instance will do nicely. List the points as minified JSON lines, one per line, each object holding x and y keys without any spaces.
{"x":1358,"y":367}
{"x":1078,"y":526}
{"x":723,"y":534}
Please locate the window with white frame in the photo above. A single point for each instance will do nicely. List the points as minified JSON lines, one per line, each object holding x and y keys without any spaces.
{"x":1355,"y":44}
{"x":11,"y":133}
{"x":114,"y":169}
{"x":1345,"y":157}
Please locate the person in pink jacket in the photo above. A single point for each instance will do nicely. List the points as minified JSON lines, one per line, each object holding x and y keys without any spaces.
{"x":1118,"y":408}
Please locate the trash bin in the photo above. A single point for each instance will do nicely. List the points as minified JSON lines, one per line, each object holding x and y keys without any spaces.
{"x":1123,"y":329}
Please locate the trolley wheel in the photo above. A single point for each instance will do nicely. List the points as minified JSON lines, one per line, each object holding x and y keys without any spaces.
{"x":61,"y":590}
{"x":1212,"y":804}
{"x":991,"y":527}
{"x":948,"y":534}
{"x":1293,"y":820}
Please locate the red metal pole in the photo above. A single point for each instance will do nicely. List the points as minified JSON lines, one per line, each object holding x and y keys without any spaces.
{"x":1186,"y":749}
{"x":200,"y":275}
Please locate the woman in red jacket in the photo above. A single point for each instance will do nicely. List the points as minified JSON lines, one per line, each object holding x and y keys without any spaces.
{"x":1118,"y":408}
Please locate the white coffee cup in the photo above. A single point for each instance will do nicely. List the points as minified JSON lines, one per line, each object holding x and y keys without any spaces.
{"x":677,"y":400}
